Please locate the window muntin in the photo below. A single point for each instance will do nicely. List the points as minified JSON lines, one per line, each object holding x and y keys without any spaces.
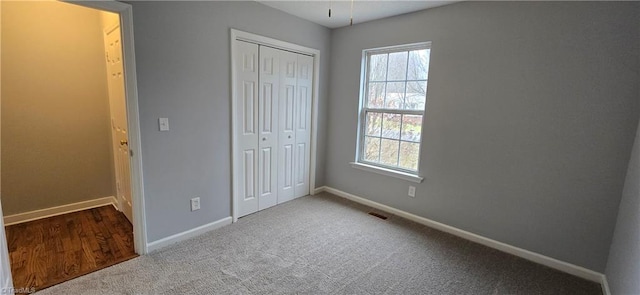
{"x":392,"y":106}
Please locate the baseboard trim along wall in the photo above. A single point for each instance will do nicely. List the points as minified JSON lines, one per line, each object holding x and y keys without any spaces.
{"x":59,"y":210}
{"x":318,"y":190}
{"x":605,"y":286}
{"x":526,"y":254}
{"x":161,"y":243}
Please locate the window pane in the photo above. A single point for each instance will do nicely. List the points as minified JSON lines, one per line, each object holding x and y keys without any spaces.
{"x":395,"y":95}
{"x":378,"y":67}
{"x":416,"y":95}
{"x":374,"y":124}
{"x":376,"y":95}
{"x":395,"y":83}
{"x":389,"y":152}
{"x":397,"y":66}
{"x":418,"y":65}
{"x":391,"y":125}
{"x":411,"y":127}
{"x":371,"y":149}
{"x":409,"y":153}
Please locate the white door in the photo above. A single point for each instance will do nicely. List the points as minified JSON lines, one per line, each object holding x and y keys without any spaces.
{"x":272,"y":126}
{"x":246,"y":88}
{"x":302,"y":124}
{"x":269,"y":80}
{"x":119,"y":127}
{"x":287,"y":139}
{"x":5,"y":269}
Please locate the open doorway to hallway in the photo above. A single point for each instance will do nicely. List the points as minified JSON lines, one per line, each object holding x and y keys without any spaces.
{"x":66,"y":194}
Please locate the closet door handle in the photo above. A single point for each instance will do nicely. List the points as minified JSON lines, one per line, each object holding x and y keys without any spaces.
{"x":264,"y":139}
{"x":289,"y":136}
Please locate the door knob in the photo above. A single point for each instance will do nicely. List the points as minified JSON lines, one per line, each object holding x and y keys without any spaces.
{"x":264,"y":138}
{"x":123,"y":142}
{"x":289,"y":136}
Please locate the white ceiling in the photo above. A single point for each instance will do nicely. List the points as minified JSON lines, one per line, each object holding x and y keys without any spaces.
{"x":363,"y":10}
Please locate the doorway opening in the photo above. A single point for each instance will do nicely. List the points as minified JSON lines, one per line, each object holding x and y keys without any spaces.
{"x":72,"y":195}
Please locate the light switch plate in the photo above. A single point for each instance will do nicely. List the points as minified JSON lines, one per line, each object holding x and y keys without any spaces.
{"x":164,"y":124}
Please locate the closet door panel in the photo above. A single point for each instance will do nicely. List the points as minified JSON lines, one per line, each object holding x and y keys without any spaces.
{"x":286,"y":140}
{"x":268,"y":110}
{"x":246,"y":88}
{"x":302,"y":123}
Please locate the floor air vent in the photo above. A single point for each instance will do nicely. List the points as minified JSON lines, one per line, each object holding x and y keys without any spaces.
{"x":378,"y":215}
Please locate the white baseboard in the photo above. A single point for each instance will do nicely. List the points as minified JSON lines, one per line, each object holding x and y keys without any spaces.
{"x":59,"y":210}
{"x":155,"y":245}
{"x":605,"y":286}
{"x":318,"y":190}
{"x":526,"y":254}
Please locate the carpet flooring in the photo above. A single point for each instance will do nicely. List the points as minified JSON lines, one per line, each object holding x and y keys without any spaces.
{"x":324,"y":244}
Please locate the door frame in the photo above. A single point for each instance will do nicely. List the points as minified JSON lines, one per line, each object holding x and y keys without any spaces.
{"x":131,"y":92}
{"x":133,"y":114}
{"x":283,"y":45}
{"x":6,"y":285}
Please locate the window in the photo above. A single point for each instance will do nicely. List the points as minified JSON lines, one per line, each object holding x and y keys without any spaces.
{"x":393,"y":99}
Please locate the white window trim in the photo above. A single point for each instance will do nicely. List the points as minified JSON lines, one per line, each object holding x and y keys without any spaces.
{"x":413,"y":176}
{"x":388,"y":172}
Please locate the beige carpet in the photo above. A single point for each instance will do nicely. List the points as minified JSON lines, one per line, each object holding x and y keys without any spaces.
{"x":328,"y":245}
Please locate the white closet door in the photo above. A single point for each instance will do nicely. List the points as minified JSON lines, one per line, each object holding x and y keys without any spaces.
{"x":246,"y":88}
{"x":287,"y":140}
{"x":268,"y":126}
{"x":302,"y":123}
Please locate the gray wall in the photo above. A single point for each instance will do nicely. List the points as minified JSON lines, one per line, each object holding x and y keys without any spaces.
{"x":182,"y":59}
{"x":531,"y":114}
{"x":623,"y":267}
{"x":56,"y":140}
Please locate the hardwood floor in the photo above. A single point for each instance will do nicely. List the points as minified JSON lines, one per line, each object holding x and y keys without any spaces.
{"x":49,"y":251}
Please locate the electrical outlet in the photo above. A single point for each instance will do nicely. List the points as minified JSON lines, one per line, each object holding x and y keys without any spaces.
{"x":412,"y":191}
{"x":195,"y":204}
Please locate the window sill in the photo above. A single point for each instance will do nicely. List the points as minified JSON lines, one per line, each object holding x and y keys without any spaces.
{"x":388,"y":172}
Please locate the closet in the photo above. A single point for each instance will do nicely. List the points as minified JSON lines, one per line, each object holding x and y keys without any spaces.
{"x":273,"y":92}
